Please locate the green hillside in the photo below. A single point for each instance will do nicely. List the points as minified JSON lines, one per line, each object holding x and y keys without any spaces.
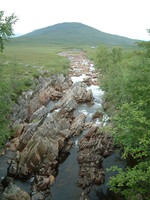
{"x":73,"y":34}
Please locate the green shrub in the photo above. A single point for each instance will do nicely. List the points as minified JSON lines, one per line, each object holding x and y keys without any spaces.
{"x":126,"y":81}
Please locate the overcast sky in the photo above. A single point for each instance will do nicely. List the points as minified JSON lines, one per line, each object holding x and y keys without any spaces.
{"x":128,"y":18}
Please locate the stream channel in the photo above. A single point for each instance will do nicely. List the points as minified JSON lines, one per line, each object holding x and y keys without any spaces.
{"x":65,"y":186}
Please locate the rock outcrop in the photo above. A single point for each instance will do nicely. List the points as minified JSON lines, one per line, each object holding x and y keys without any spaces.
{"x":13,"y":192}
{"x":43,"y":135}
{"x":78,"y":124}
{"x":47,"y":89}
{"x":47,"y":135}
{"x":92,"y":148}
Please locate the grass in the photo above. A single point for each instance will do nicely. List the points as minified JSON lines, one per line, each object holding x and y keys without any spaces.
{"x":37,"y":55}
{"x":19,"y":65}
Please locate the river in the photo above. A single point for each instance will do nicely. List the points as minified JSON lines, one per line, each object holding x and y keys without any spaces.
{"x":65,"y":186}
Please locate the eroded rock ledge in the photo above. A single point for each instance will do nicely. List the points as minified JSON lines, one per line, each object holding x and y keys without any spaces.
{"x":93,"y":147}
{"x":43,"y":136}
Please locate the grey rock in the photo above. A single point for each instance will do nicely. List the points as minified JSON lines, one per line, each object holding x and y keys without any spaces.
{"x":12,"y":169}
{"x":13,"y":192}
{"x":95,"y":145}
{"x":44,"y":144}
{"x":78,"y":124}
{"x":39,"y":114}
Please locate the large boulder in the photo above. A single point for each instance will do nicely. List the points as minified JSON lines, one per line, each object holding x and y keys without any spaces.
{"x":78,"y":92}
{"x":78,"y":124}
{"x":87,"y":80}
{"x":84,"y":196}
{"x":46,"y":89}
{"x":98,"y":114}
{"x":20,"y":110}
{"x":39,"y":114}
{"x":13,"y":192}
{"x":27,"y":134}
{"x":62,"y":82}
{"x":44,"y":144}
{"x":42,"y":98}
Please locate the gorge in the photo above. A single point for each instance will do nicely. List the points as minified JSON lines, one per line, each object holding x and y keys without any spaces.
{"x":60,"y":150}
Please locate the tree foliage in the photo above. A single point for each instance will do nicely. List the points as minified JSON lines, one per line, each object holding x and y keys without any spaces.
{"x":126,"y":81}
{"x":6,"y":27}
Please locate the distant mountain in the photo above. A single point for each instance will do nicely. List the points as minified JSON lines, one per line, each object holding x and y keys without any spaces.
{"x":73,"y":34}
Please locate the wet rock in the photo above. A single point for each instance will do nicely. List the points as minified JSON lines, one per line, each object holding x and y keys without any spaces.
{"x":65,"y":133}
{"x":20,"y":110}
{"x":49,"y":93}
{"x":97,"y":114}
{"x":14,"y":144}
{"x":34,"y":105}
{"x":42,"y":98}
{"x":45,"y":143}
{"x":93,"y":147}
{"x":88,"y":125}
{"x":93,"y":128}
{"x":34,"y":154}
{"x":39,"y":114}
{"x":87,"y":80}
{"x":84,"y":196}
{"x":18,"y":128}
{"x":107,"y":143}
{"x":78,"y":93}
{"x":68,"y":146}
{"x":7,"y":180}
{"x":52,"y":179}
{"x":78,"y":124}
{"x":62,"y":82}
{"x":67,"y":107}
{"x":12,"y":169}
{"x":28,"y":94}
{"x":27,"y":134}
{"x":42,"y":182}
{"x":14,"y":192}
{"x":37,"y":195}
{"x":7,"y":144}
{"x":46,"y":89}
{"x":3,"y":152}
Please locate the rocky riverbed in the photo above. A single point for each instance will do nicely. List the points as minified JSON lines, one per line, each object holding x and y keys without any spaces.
{"x":62,"y":113}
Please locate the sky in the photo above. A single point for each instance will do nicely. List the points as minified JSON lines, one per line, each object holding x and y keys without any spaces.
{"x":129,"y":18}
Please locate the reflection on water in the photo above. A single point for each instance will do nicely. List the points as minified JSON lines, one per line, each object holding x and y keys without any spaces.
{"x":102,"y":192}
{"x":65,"y":187}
